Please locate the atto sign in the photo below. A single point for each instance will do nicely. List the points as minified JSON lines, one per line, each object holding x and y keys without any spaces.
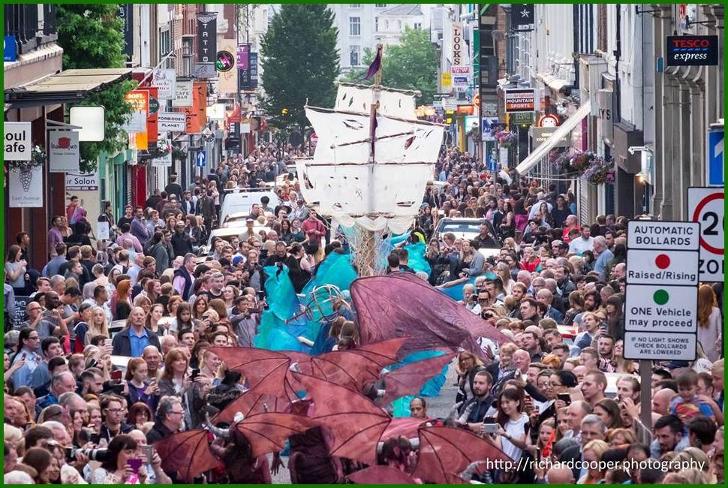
{"x":692,"y":50}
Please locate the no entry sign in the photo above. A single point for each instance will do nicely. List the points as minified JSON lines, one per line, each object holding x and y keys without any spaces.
{"x":661,"y":296}
{"x":705,"y":206}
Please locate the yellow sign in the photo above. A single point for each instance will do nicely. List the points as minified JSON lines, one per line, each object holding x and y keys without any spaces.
{"x":446,"y":80}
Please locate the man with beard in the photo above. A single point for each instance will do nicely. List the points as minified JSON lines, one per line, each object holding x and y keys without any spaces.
{"x":476,"y":409}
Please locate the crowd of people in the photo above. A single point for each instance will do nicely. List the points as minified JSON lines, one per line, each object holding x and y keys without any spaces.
{"x":149,"y":294}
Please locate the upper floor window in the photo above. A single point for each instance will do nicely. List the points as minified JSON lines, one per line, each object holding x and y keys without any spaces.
{"x":354,"y":26}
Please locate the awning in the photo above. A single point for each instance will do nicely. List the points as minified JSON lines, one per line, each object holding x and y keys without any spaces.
{"x":563,"y":130}
{"x":68,"y":86}
{"x":552,"y":81}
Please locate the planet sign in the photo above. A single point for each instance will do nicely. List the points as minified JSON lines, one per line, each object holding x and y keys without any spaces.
{"x":225,"y":61}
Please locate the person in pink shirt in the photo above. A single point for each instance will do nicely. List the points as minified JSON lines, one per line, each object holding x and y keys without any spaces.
{"x":314,"y":231}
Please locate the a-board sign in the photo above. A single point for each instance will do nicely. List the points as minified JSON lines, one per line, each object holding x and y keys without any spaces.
{"x":705,"y":205}
{"x":661,"y":296}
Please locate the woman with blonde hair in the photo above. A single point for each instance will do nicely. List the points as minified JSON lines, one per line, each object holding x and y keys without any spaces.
{"x":592,"y":454}
{"x":621,"y":437}
{"x":468,"y":364}
{"x":709,"y":323}
{"x":98,"y":326}
{"x":144,"y":302}
{"x":691,"y":457}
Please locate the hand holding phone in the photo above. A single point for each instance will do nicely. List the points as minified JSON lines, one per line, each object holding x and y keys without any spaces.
{"x":135,"y":464}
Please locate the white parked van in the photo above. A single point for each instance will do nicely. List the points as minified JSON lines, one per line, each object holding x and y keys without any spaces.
{"x":242,"y":200}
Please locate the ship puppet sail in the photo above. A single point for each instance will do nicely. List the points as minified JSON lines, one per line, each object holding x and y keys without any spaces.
{"x":340,"y":179}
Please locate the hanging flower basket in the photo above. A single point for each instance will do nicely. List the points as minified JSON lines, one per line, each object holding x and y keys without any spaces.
{"x":600,"y":171}
{"x":179,"y":154}
{"x":37,"y":158}
{"x":506,"y":138}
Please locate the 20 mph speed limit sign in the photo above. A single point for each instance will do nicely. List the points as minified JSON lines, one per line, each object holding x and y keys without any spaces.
{"x":705,"y":206}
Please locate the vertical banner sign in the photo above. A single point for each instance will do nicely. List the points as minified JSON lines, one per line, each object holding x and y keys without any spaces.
{"x":206,"y":37}
{"x":705,"y":206}
{"x":63,"y":151}
{"x":488,"y":61}
{"x":25,"y":187}
{"x":165,"y":80}
{"x":458,"y":44}
{"x":242,"y":56}
{"x":126,"y":14}
{"x":661,"y":296}
{"x":182,"y":94}
{"x":137,"y":125}
{"x":196,"y":115}
{"x":521,"y":15}
{"x":153,"y":109}
{"x":139,"y":101}
{"x":253,"y":70}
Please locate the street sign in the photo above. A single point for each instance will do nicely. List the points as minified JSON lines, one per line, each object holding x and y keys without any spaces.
{"x":668,"y":267}
{"x":705,"y":206}
{"x":714,"y":155}
{"x":680,"y":236}
{"x":201,"y":159}
{"x":661,"y":305}
{"x":659,"y":308}
{"x":658,"y":346}
{"x":171,"y":121}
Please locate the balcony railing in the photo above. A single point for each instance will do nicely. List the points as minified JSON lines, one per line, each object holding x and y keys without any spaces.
{"x":28,"y":27}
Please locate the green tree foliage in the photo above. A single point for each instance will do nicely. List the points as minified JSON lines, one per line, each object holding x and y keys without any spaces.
{"x":410,"y":65}
{"x":300,"y":61}
{"x":91,"y":37}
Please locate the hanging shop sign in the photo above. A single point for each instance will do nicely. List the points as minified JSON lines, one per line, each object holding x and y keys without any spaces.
{"x":171,"y":122}
{"x":521,"y":15}
{"x":165,"y":80}
{"x":63,"y":151}
{"x":520,"y":100}
{"x":692,"y":50}
{"x":25,"y":187}
{"x":183,"y":94}
{"x":17,"y":141}
{"x":206,"y":37}
{"x":82,"y":181}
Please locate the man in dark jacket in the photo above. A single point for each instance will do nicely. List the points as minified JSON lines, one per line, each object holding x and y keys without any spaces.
{"x":170,"y":415}
{"x":160,"y":252}
{"x":135,"y":337}
{"x":181,"y":242}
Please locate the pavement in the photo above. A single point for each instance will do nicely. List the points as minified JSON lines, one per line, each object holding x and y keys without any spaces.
{"x":438,"y":406}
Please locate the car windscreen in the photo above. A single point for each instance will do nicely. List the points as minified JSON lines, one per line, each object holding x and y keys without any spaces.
{"x":461,"y":227}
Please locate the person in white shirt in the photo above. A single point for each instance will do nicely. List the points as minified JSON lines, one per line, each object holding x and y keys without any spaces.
{"x":585,"y":242}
